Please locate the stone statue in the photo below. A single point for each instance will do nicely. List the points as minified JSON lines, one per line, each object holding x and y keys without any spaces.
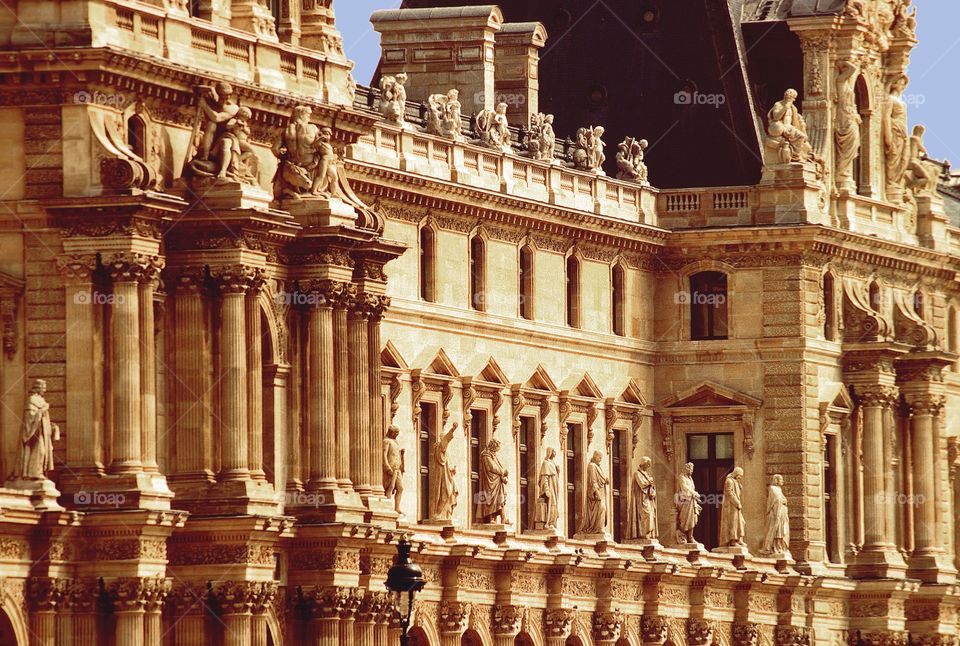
{"x":904,"y":23}
{"x":732,"y":524}
{"x":920,"y":179}
{"x":788,"y":131}
{"x":595,"y":516}
{"x":493,"y":129}
{"x":548,"y":488}
{"x":643,"y":520}
{"x":445,"y":497}
{"x":393,"y":467}
{"x":776,"y":535}
{"x":443,"y":118}
{"x":306,"y":160}
{"x":687,"y":502}
{"x":541,"y":140}
{"x":393,"y":99}
{"x":630,"y":165}
{"x":224,"y":151}
{"x":493,"y":486}
{"x":848,"y":122}
{"x":588,"y":154}
{"x":896,"y":141}
{"x":38,"y":436}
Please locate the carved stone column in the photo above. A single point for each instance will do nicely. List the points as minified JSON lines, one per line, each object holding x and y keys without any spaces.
{"x":653,"y":630}
{"x":557,"y":623}
{"x":45,"y":595}
{"x":342,"y":298}
{"x":129,"y":601}
{"x":360,"y":448}
{"x":155,"y":594}
{"x":320,"y":395}
{"x":193,"y":439}
{"x":882,"y":638}
{"x":126,"y":271}
{"x":325,"y":612}
{"x":506,"y":623}
{"x":699,"y":632}
{"x":82,"y":602}
{"x":791,"y":636}
{"x":237,"y":601}
{"x":452,"y":620}
{"x":262,"y":599}
{"x":148,"y":371}
{"x":607,"y":626}
{"x":190,"y":605}
{"x":370,"y":617}
{"x":254,"y":381}
{"x":376,"y":307}
{"x":746,"y":634}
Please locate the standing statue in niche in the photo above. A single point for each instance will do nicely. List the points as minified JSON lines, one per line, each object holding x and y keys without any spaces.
{"x":541,"y":140}
{"x":776,"y":536}
{"x":595,"y":518}
{"x":548,"y":490}
{"x":630,"y":165}
{"x":443,"y":118}
{"x":688,"y":506}
{"x":787,"y":130}
{"x":393,"y":99}
{"x":445,"y":498}
{"x":732,"y":524}
{"x":493,"y":129}
{"x":224,"y":151}
{"x":38,"y":436}
{"x":393,"y":467}
{"x":896,"y":141}
{"x":493,"y":486}
{"x":643,"y":520}
{"x":848,"y":123}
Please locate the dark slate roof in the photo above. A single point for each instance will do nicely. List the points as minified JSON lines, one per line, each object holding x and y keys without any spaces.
{"x":754,"y":10}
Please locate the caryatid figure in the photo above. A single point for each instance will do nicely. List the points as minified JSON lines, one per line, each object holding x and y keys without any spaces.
{"x":644,"y":517}
{"x":393,"y":467}
{"x":445,"y":498}
{"x":595,"y":518}
{"x":38,"y":435}
{"x":687,"y":504}
{"x":732,"y":525}
{"x":776,"y":537}
{"x":493,"y":485}
{"x":548,"y":487}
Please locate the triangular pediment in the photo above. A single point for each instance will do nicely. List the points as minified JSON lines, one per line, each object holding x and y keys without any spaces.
{"x":493,"y":374}
{"x":632,"y":395}
{"x":709,"y":394}
{"x":390,"y":357}
{"x":540,"y":380}
{"x":10,"y":284}
{"x":587,"y":388}
{"x":441,"y":365}
{"x":841,"y":400}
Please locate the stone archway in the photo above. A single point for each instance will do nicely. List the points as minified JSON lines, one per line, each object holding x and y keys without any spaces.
{"x":418,"y":637}
{"x":8,"y":635}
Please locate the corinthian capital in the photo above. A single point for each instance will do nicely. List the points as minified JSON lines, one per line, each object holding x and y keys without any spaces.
{"x":746,"y":634}
{"x":506,"y":620}
{"x":131,"y":267}
{"x":77,"y":268}
{"x":558,"y":621}
{"x":926,"y":404}
{"x":791,"y":636}
{"x":882,"y":638}
{"x":46,"y":594}
{"x":700,"y":631}
{"x":607,"y":625}
{"x":134,"y":593}
{"x":654,"y":629}
{"x":877,"y":395}
{"x":238,"y":597}
{"x":453,"y":617}
{"x":238,"y":279}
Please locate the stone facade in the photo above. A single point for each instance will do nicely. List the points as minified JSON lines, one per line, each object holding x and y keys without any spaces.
{"x":222,"y":361}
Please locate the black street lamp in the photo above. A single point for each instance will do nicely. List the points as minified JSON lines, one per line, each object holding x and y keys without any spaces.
{"x":405,"y":576}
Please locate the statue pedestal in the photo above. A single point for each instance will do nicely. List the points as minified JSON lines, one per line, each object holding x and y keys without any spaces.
{"x":214,"y":193}
{"x":695,"y":552}
{"x":649,"y":547}
{"x":382,"y":512}
{"x":601,"y":540}
{"x":732,"y":549}
{"x":331,"y":505}
{"x":43,"y":493}
{"x":319,"y":211}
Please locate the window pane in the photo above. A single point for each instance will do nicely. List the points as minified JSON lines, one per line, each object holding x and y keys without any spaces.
{"x":724,"y":446}
{"x":697,"y":447}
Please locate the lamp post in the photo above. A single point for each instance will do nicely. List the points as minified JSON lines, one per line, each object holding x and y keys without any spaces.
{"x":405,"y":576}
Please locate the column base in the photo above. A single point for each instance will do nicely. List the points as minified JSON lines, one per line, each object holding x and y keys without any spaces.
{"x":878,"y":563}
{"x":237,"y":497}
{"x":125,"y":491}
{"x":381,"y":511}
{"x":42,"y":494}
{"x":328,"y":505}
{"x":931,"y":568}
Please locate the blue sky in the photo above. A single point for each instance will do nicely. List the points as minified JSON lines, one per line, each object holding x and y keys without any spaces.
{"x":933,"y":93}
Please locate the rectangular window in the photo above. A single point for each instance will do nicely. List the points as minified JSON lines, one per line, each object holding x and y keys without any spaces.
{"x":478,"y":440}
{"x":426,"y":436}
{"x":619,"y":483}
{"x":528,"y":472}
{"x":829,"y":499}
{"x":478,"y":274}
{"x":526,"y":283}
{"x":618,"y":302}
{"x":708,"y":306}
{"x":574,"y":475}
{"x":428,"y":265}
{"x":573,"y":292}
{"x":712,"y":458}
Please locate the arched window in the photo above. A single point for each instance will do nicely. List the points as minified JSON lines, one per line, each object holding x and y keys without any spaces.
{"x":829,"y":309}
{"x":137,"y":136}
{"x":478,"y":274}
{"x":428,"y":261}
{"x":708,"y":306}
{"x":526,"y":282}
{"x":618,"y":301}
{"x":573,"y":292}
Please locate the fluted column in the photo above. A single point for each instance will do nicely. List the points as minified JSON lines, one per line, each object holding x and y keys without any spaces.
{"x":341,"y":372}
{"x":923,"y":411}
{"x":126,"y":271}
{"x":82,"y":601}
{"x":45,"y":595}
{"x":262,"y":598}
{"x":377,"y":305}
{"x":891,"y":461}
{"x":155,"y":593}
{"x":360,"y":448}
{"x":148,"y":373}
{"x":128,"y":609}
{"x":370,"y":618}
{"x":254,"y":381}
{"x":333,"y":611}
{"x":238,"y":601}
{"x":321,"y":393}
{"x":189,"y":615}
{"x":233,"y":374}
{"x":193,"y":441}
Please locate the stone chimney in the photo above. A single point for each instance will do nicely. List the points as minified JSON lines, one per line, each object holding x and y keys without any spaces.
{"x":517,"y":63}
{"x":440,"y":50}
